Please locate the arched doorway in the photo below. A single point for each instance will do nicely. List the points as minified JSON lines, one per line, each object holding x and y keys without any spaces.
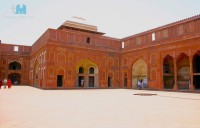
{"x":125,"y":80}
{"x":15,"y":78}
{"x":196,"y":70}
{"x":110,"y":79}
{"x":87,"y":74}
{"x":168,"y":72}
{"x":183,"y":71}
{"x":36,"y":73}
{"x":60,"y":77}
{"x":15,"y":66}
{"x":139,"y":72}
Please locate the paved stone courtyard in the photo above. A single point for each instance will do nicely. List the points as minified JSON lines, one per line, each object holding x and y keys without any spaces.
{"x":28,"y":107}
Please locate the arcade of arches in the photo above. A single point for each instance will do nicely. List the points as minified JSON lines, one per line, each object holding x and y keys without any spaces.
{"x":181,"y":72}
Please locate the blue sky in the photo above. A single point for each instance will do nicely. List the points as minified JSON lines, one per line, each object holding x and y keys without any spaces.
{"x":117,"y":18}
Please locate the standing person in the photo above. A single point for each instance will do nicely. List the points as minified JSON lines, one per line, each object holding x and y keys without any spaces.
{"x":9,"y":83}
{"x":142,"y":83}
{"x":5,"y":82}
{"x":82,"y":82}
{"x":0,"y":83}
{"x":139,"y":84}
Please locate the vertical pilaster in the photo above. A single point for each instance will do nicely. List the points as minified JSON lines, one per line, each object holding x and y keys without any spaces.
{"x":175,"y":74}
{"x":191,"y":86}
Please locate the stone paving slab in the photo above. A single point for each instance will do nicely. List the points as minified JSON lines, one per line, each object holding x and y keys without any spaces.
{"x":28,"y":107}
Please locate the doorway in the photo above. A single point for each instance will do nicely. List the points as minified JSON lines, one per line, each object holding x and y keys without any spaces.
{"x":80,"y":81}
{"x":125,"y":82}
{"x":15,"y":78}
{"x":168,"y":72}
{"x":139,"y":72}
{"x":91,"y":81}
{"x":109,"y":81}
{"x":59,"y":80}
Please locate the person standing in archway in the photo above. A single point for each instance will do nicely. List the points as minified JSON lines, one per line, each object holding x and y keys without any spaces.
{"x":9,"y":83}
{"x":82,"y":82}
{"x":5,"y":82}
{"x":139,"y":84}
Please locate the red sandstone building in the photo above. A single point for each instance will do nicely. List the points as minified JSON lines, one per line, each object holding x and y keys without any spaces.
{"x":78,"y":56}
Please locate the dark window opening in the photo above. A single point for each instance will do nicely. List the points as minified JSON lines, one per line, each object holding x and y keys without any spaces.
{"x":91,"y":70}
{"x":81,"y":70}
{"x":88,"y":40}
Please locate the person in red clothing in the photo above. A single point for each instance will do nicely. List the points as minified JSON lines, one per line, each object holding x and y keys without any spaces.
{"x":9,"y":83}
{"x":1,"y":83}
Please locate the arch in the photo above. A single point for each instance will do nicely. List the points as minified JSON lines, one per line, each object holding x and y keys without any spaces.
{"x":15,"y":66}
{"x":196,"y":70}
{"x":125,"y":79}
{"x":61,"y":71}
{"x":183,"y":71}
{"x":15,"y":78}
{"x":36,"y":73}
{"x":139,"y":72}
{"x":87,"y":74}
{"x":91,"y":70}
{"x":61,"y":57}
{"x":81,"y":70}
{"x":168,"y":72}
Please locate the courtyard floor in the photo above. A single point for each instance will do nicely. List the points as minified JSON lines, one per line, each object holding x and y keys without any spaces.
{"x":28,"y":107}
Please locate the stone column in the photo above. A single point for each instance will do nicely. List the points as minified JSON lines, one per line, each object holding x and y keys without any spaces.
{"x":191,"y":86}
{"x":175,"y":74}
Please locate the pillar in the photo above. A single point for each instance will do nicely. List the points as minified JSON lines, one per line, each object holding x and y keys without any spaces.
{"x":175,"y":74}
{"x":191,"y":86}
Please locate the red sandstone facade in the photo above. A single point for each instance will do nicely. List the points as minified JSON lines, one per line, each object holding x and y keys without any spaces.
{"x":166,"y":58}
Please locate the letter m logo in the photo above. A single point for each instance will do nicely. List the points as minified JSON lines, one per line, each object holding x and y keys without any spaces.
{"x":20,"y":10}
